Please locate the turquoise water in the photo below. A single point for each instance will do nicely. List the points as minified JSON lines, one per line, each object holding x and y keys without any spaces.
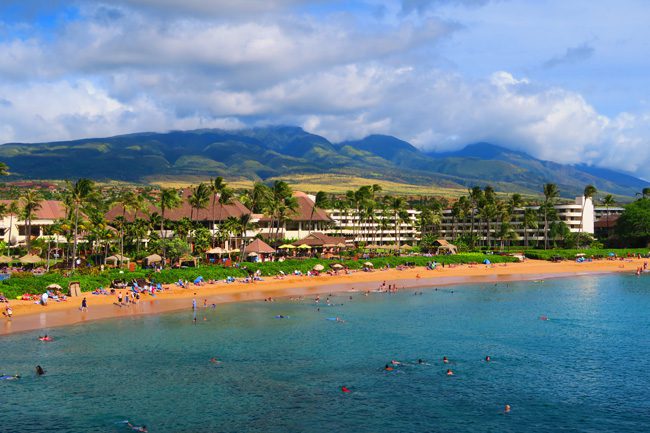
{"x":584,"y":370}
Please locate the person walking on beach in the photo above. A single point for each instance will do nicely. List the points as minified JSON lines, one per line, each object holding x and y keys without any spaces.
{"x":194,"y":304}
{"x":84,"y":305}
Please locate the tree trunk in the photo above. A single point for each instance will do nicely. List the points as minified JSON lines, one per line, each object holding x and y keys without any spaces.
{"x":74,"y":245}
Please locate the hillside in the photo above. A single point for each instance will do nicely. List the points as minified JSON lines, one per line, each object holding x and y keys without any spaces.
{"x":285,"y":151}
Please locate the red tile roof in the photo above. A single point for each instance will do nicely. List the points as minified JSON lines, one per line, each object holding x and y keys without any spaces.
{"x":304,"y":211}
{"x":50,"y":209}
{"x":221,"y":212}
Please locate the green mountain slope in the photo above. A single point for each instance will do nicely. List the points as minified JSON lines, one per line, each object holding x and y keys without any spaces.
{"x":276,"y":151}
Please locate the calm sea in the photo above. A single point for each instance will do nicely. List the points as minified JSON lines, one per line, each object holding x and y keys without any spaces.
{"x":585,"y":369}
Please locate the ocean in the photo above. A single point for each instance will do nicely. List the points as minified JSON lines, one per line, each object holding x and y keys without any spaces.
{"x":585,"y":369}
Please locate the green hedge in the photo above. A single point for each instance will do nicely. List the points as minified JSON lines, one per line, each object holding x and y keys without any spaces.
{"x":571,"y":254}
{"x":93,"y":278}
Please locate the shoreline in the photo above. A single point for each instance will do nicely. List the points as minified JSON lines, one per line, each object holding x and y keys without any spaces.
{"x":29,"y":316}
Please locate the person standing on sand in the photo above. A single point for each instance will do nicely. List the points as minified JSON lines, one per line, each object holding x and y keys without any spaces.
{"x":84,"y":305}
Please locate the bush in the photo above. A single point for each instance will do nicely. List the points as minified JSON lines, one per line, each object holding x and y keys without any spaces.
{"x":570,"y":254}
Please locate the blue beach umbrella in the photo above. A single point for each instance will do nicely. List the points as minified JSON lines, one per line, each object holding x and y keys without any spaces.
{"x":198,"y":280}
{"x":486,"y":262}
{"x":611,"y":254}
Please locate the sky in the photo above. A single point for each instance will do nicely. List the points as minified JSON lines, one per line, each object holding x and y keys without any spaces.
{"x":562,"y":80}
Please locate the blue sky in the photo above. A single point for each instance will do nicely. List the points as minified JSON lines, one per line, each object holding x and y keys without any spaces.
{"x":564,"y":81}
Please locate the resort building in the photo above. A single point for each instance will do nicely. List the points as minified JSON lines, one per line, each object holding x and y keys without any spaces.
{"x":381,"y":228}
{"x":579,"y":216}
{"x":13,"y":228}
{"x":296,"y":225}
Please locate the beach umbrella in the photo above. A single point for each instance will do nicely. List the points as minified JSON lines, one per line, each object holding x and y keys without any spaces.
{"x":236,"y":250}
{"x":54,"y":287}
{"x":252,"y":254}
{"x":6,"y":259}
{"x":486,"y":262}
{"x":198,"y":280}
{"x":406,"y":247}
{"x":319,"y":267}
{"x":580,"y":255}
{"x":215,"y":250}
{"x":341,"y":245}
{"x":610,"y":254}
{"x":286,"y":247}
{"x":30,"y":259}
{"x":368,"y":265}
{"x":304,"y":247}
{"x":337,"y":266}
{"x":372,"y":247}
{"x":154,"y":258}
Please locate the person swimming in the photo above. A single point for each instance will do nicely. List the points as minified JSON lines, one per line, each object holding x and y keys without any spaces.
{"x":445,"y":360}
{"x":142,"y":428}
{"x":507,"y":409}
{"x":387,"y":367}
{"x":39,"y":370}
{"x":449,"y":372}
{"x":45,"y":338}
{"x":345,"y":389}
{"x":393,"y":362}
{"x":9,"y":377}
{"x":420,"y":361}
{"x":487,"y":358}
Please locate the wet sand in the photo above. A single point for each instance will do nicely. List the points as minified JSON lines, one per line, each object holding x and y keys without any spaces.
{"x":30,"y":316}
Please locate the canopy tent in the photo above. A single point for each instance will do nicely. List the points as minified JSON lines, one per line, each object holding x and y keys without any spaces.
{"x":443,"y":246}
{"x":319,"y":267}
{"x":116,"y":259}
{"x":154,"y":258}
{"x":29,"y":259}
{"x":6,"y":259}
{"x":258,"y":246}
{"x":187,"y":261}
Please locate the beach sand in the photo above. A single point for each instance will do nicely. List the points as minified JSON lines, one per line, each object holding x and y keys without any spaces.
{"x":30,"y":316}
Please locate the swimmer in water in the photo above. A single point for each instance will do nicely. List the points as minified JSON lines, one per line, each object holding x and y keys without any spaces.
{"x":8,"y":377}
{"x":214,"y":360}
{"x":345,"y":389}
{"x":507,"y":409}
{"x":395,"y":362}
{"x":39,"y":370}
{"x":449,"y":372}
{"x":137,"y":428}
{"x":388,"y":368}
{"x":487,"y":358}
{"x":445,"y":360}
{"x":420,"y":361}
{"x":45,"y":338}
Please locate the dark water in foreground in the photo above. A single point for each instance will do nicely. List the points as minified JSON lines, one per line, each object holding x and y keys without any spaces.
{"x":584,"y":370}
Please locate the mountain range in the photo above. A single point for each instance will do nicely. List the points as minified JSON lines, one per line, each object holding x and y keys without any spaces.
{"x":283,"y":151}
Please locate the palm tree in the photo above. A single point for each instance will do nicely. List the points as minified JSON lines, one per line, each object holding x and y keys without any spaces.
{"x":608,"y":201}
{"x":216,"y":186}
{"x":169,"y":199}
{"x":199,"y":198}
{"x":31,"y":200}
{"x":588,"y":193}
{"x":4,"y":170}
{"x":530,"y":221}
{"x":550,"y":195}
{"x":129,"y":200}
{"x":243,"y":224}
{"x":78,"y":194}
{"x":396,"y":205}
{"x":487,"y":213}
{"x":322,"y":202}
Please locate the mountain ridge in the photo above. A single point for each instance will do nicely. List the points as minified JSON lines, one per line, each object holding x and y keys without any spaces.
{"x":282,"y":151}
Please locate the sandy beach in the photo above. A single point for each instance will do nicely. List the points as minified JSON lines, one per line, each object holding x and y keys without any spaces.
{"x":30,"y":316}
